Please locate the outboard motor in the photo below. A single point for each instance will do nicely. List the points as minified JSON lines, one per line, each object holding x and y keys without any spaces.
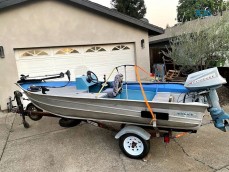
{"x":206,"y":82}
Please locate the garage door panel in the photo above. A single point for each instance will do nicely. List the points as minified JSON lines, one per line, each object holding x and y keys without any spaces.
{"x":96,"y":58}
{"x":35,"y":67}
{"x":99,"y":61}
{"x":67,"y":63}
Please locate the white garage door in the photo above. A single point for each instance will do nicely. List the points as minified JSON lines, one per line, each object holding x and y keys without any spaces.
{"x":101,"y":59}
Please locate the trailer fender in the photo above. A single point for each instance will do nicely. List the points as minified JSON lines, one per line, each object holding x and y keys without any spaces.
{"x":134,"y":130}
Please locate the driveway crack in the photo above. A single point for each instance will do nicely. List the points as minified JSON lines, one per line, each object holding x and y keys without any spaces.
{"x":225,"y":166}
{"x":207,"y":123}
{"x":42,"y":134}
{"x":123,"y":165}
{"x":7,"y":138}
{"x":193,"y":157}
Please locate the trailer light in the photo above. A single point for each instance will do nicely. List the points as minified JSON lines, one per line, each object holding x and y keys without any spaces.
{"x":166,"y":138}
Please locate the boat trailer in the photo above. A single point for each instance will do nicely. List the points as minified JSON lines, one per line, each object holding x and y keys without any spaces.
{"x":134,"y":140}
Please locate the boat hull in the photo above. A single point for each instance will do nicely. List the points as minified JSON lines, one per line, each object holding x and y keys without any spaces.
{"x":172,"y":115}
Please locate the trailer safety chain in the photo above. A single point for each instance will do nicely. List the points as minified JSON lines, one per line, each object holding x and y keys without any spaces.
{"x":145,"y":98}
{"x":180,"y":135}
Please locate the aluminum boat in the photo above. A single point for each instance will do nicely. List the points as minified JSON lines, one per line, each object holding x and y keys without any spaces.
{"x":168,"y":106}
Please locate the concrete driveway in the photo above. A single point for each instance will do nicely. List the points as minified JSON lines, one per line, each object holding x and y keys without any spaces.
{"x":46,"y":146}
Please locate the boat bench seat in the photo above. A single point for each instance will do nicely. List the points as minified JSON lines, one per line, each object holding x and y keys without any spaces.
{"x":109,"y":92}
{"x":163,"y":97}
{"x":67,"y":91}
{"x":92,"y":95}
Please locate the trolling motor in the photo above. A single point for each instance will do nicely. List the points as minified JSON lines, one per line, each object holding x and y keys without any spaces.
{"x":18,"y":96}
{"x":32,"y":88}
{"x":26,"y":78}
{"x":208,"y":81}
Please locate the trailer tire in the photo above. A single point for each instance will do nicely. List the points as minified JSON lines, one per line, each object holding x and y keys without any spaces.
{"x":33,"y":108}
{"x":66,"y":122}
{"x":134,"y":146}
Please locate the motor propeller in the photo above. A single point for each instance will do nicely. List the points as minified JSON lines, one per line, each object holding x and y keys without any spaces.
{"x":68,"y":73}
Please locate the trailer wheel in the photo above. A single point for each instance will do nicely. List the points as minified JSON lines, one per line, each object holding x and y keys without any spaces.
{"x":134,"y":146}
{"x":65,"y":122}
{"x":33,"y":108}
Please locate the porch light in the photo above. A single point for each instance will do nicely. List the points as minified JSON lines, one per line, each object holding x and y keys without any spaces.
{"x":143,"y":43}
{"x":2,"y":52}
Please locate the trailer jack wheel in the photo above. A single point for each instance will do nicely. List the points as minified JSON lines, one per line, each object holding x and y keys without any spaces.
{"x":26,"y":124}
{"x":33,"y":108}
{"x":65,"y":122}
{"x":134,"y":146}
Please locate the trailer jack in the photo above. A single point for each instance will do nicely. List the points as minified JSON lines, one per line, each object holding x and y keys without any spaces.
{"x":23,"y":113}
{"x":18,"y":97}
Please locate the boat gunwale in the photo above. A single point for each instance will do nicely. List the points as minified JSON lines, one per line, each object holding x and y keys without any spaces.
{"x":122,"y":100}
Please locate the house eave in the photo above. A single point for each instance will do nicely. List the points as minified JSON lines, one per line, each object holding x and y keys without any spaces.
{"x":152,"y":29}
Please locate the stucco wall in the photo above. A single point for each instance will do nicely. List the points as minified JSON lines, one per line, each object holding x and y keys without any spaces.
{"x":54,"y":23}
